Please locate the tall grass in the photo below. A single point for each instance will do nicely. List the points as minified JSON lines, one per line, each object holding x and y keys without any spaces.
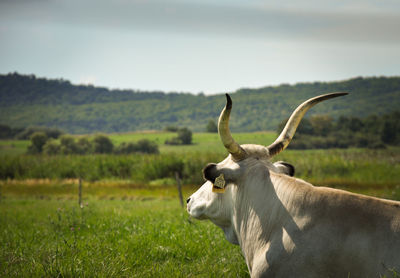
{"x":329,"y":167}
{"x":351,"y":167}
{"x":139,"y":168}
{"x":348,"y":167}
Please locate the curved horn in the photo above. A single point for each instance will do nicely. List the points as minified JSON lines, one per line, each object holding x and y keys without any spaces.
{"x":224,"y":133}
{"x":290,"y":128}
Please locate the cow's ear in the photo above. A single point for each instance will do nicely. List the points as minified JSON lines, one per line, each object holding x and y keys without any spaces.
{"x":210,"y":172}
{"x":285,"y":168}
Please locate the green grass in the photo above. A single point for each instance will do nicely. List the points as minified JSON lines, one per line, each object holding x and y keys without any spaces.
{"x":346,"y":166}
{"x":155,"y":238}
{"x":13,"y":147}
{"x":337,"y":168}
{"x":202,"y":142}
{"x":103,"y":190}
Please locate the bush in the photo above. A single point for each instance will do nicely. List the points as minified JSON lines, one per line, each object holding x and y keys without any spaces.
{"x":7,"y":132}
{"x":173,"y":141}
{"x":212,"y":127}
{"x":68,"y":145}
{"x":125,"y":148}
{"x":184,"y":138}
{"x":147,"y":146}
{"x":102,"y":144}
{"x":38,"y":140}
{"x":51,"y":147}
{"x":142,"y":146}
{"x":171,"y":128}
{"x":84,"y":146}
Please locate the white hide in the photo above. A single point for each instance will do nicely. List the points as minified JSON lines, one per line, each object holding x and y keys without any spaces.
{"x":288,"y":228}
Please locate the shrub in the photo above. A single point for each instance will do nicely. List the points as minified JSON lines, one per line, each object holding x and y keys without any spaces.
{"x":147,"y":146}
{"x":51,"y":147}
{"x":171,"y":128}
{"x":212,"y":127}
{"x":184,"y":138}
{"x":84,"y":146}
{"x":102,"y":144}
{"x":173,"y":141}
{"x":38,"y":139}
{"x":142,"y":146}
{"x":125,"y":148}
{"x":68,"y":145}
{"x":7,"y":132}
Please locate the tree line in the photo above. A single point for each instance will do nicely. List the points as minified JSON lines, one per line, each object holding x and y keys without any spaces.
{"x":100,"y":144}
{"x":322,"y":132}
{"x":52,"y":141}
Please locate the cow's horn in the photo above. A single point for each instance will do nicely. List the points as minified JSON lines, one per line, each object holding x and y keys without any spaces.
{"x":224,"y":133}
{"x":290,"y":128}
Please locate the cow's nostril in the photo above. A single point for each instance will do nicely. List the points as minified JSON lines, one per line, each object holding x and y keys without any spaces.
{"x":187,"y":201}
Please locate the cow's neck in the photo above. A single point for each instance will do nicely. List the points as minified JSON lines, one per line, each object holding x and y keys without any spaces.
{"x":258,"y":223}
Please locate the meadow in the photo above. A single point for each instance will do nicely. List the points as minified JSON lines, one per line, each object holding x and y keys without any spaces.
{"x":131,"y":223}
{"x":110,"y":238}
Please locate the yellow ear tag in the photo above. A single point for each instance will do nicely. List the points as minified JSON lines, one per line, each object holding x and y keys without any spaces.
{"x":219,"y":184}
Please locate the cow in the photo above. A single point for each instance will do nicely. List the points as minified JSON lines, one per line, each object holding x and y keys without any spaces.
{"x":286,"y":227}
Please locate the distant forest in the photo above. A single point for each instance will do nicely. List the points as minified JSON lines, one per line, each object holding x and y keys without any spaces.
{"x":26,"y":100}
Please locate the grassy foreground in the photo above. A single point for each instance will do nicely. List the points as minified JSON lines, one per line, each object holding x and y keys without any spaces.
{"x":132,"y":224}
{"x":41,"y":238}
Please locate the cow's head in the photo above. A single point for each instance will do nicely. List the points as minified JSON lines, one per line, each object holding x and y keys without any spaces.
{"x":246,"y":168}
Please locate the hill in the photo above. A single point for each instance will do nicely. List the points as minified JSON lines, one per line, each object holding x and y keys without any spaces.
{"x":26,"y":100}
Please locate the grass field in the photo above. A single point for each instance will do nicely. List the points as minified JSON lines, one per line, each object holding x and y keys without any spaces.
{"x":42,"y":238}
{"x":132,"y":224}
{"x":202,"y":142}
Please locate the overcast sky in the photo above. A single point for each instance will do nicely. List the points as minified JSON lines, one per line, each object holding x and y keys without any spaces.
{"x":199,"y":45}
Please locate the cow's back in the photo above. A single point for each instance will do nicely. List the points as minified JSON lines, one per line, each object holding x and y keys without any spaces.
{"x":341,"y":234}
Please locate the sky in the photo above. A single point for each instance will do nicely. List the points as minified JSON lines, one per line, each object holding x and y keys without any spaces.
{"x":199,"y":45}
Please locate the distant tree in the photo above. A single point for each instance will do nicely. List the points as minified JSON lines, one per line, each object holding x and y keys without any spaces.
{"x":173,"y":141}
{"x":391,"y":129}
{"x":304,"y":127}
{"x":389,"y":132}
{"x":125,"y":148}
{"x":142,"y":146}
{"x":51,"y":147}
{"x":171,"y":128}
{"x":321,"y":124}
{"x":84,"y":146}
{"x":68,"y":145}
{"x":102,"y":144}
{"x":38,"y":140}
{"x":185,"y":135}
{"x":5,"y":131}
{"x":212,"y":127}
{"x":50,"y":132}
{"x":147,"y":146}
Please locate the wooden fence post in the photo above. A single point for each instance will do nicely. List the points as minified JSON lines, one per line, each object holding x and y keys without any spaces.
{"x":178,"y":181}
{"x":80,"y":193}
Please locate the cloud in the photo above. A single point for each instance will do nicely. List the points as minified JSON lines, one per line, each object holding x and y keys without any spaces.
{"x":353,"y":21}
